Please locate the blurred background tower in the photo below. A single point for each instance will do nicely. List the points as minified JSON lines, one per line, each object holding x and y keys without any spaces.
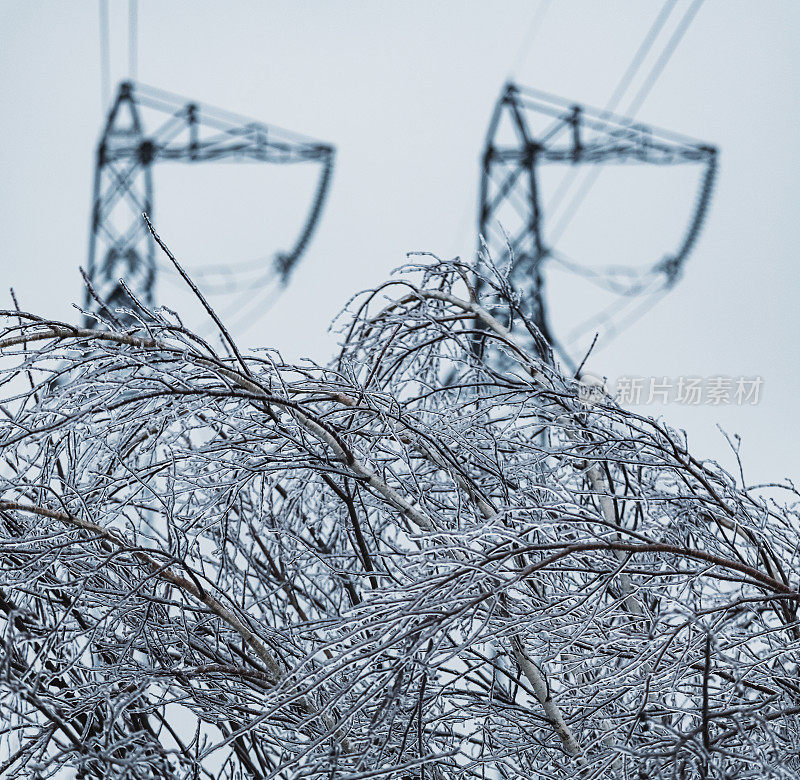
{"x":530,"y":129}
{"x":146,"y":126}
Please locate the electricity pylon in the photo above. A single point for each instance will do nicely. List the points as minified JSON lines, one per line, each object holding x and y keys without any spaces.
{"x":529,"y":129}
{"x":120,"y":246}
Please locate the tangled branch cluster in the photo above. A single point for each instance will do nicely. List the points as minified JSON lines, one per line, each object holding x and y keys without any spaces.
{"x":410,"y":563}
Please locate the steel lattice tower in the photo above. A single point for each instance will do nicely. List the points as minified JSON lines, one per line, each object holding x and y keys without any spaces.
{"x":529,"y":129}
{"x":120,"y":246}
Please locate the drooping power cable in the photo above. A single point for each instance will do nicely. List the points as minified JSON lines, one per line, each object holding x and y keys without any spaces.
{"x":633,"y":108}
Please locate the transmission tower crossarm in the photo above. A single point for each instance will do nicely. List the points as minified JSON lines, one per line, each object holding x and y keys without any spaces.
{"x":528,"y":129}
{"x":185,"y":132}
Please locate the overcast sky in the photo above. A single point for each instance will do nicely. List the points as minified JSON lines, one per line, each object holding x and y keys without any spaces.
{"x":404,"y":90}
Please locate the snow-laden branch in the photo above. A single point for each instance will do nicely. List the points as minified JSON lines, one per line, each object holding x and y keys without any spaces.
{"x":419,"y":561}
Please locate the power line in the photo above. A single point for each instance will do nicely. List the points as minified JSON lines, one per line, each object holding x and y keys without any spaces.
{"x":133,"y":39}
{"x":605,"y":318}
{"x":644,"y":90}
{"x":669,"y":50}
{"x":641,"y":54}
{"x":105,"y":82}
{"x":613,"y":102}
{"x":649,"y":82}
{"x":530,"y":35}
{"x":523,"y":51}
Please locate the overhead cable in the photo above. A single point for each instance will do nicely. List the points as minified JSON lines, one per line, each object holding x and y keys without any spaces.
{"x":648,"y":84}
{"x":105,"y":79}
{"x":133,"y":39}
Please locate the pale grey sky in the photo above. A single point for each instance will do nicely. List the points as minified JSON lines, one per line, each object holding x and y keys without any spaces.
{"x":405,"y":90}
